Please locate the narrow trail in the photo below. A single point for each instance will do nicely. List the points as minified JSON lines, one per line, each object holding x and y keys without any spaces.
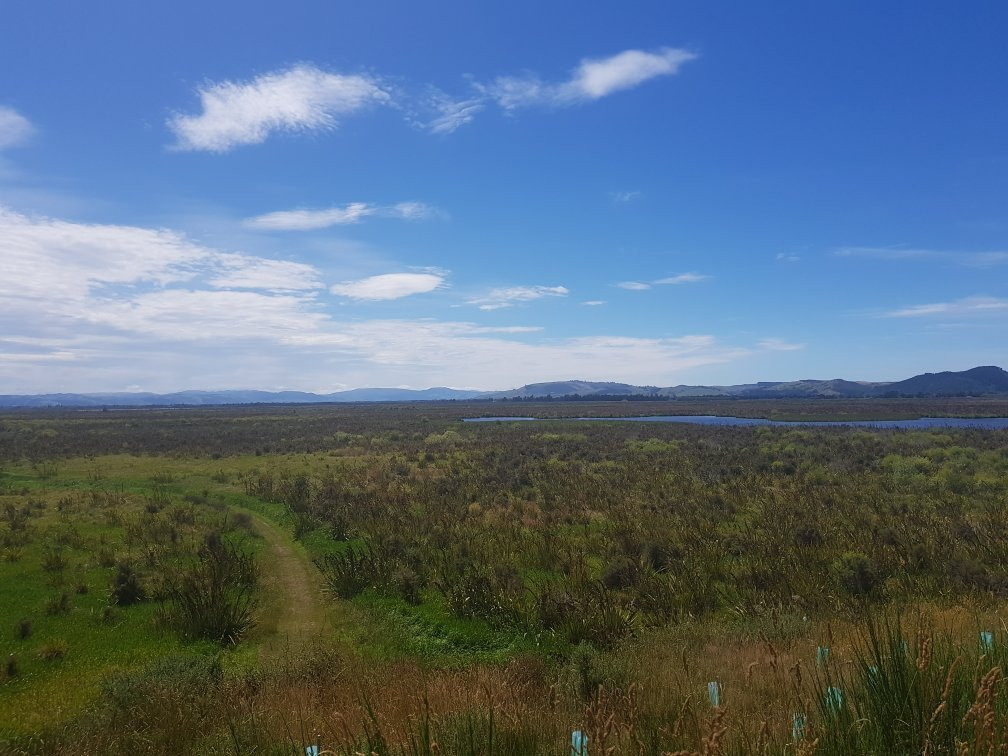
{"x":294,"y":611}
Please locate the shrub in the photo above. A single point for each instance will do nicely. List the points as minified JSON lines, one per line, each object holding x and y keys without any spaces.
{"x":54,"y":650}
{"x":126,"y":587}
{"x":620,"y":573}
{"x":23,"y":629}
{"x":214,"y":598}
{"x":348,"y":573}
{"x":58,"y":604}
{"x":856,"y":573}
{"x":583,"y":670}
{"x":53,"y":560}
{"x":409,"y":585}
{"x":106,"y":557}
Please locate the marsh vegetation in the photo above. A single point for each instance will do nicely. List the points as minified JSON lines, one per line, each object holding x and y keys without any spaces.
{"x":388,"y":579}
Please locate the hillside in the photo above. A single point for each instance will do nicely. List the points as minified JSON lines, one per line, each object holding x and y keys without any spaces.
{"x":978,"y":381}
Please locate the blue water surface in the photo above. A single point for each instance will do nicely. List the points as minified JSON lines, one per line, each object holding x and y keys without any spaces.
{"x":984,"y":423}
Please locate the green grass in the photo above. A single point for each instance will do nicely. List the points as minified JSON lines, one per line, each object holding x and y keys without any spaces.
{"x":55,"y":581}
{"x":431,"y":633}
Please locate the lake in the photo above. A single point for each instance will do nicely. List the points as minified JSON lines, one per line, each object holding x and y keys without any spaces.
{"x":984,"y":423}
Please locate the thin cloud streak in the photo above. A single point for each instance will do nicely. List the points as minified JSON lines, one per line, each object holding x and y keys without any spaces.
{"x":498,"y":299}
{"x":675,"y":280}
{"x":593,"y":79}
{"x":355,"y":212}
{"x":389,"y":286}
{"x":779,"y":345}
{"x":911,"y":254}
{"x":681,"y":279}
{"x":624,"y":197}
{"x":968,"y":306}
{"x":453,"y":114}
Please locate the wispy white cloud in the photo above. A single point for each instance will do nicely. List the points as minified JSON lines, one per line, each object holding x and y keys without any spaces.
{"x":15,"y":129}
{"x":968,"y":306}
{"x":389,"y":286}
{"x":239,"y":271}
{"x":411,"y":211}
{"x":959,"y":257}
{"x":46,"y":258}
{"x":779,"y":345}
{"x":453,"y":114}
{"x":682,"y":278}
{"x":309,"y":220}
{"x":787,"y":257}
{"x":498,"y":299}
{"x":624,"y":197}
{"x":675,"y":280}
{"x":594,"y":303}
{"x":305,"y":220}
{"x":305,"y":97}
{"x":593,"y":79}
{"x":426,"y":349}
{"x":634,"y":285}
{"x":300,"y":98}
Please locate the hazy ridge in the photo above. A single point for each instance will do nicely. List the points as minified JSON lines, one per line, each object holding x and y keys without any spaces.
{"x":978,"y":381}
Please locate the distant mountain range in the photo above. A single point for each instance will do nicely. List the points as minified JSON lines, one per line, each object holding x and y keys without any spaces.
{"x":978,"y":381}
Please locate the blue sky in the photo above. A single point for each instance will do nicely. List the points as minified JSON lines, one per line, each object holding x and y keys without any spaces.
{"x":322,"y":196}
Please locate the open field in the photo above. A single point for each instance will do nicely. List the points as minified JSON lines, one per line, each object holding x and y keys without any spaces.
{"x":386,"y":578}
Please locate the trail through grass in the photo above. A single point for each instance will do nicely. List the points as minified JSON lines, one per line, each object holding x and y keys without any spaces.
{"x":294,"y":614}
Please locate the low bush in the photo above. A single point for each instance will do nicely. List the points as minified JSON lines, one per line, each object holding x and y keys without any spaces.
{"x":214,"y":598}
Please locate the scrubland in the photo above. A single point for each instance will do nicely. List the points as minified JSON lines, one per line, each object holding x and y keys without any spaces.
{"x":388,"y":579}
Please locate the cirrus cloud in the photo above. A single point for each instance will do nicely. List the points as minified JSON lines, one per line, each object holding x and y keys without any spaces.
{"x":967,"y":258}
{"x":675,"y":280}
{"x":497,"y":299}
{"x":300,"y":98}
{"x":389,"y":286}
{"x":593,"y":79}
{"x":310,"y":220}
{"x":968,"y":306}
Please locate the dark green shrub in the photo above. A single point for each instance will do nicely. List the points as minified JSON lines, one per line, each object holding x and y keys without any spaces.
{"x":53,"y":650}
{"x":349,"y":573}
{"x":53,"y":560}
{"x":58,"y":604}
{"x":409,"y":585}
{"x":215,"y":597}
{"x":583,"y":670}
{"x":23,"y":629}
{"x":620,"y":573}
{"x":856,"y":573}
{"x":126,"y":587}
{"x":106,"y":557}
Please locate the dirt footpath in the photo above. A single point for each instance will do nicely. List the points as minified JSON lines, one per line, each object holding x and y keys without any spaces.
{"x":293,"y":613}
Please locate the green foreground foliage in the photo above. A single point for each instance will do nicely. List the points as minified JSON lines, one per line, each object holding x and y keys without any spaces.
{"x":570,"y":564}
